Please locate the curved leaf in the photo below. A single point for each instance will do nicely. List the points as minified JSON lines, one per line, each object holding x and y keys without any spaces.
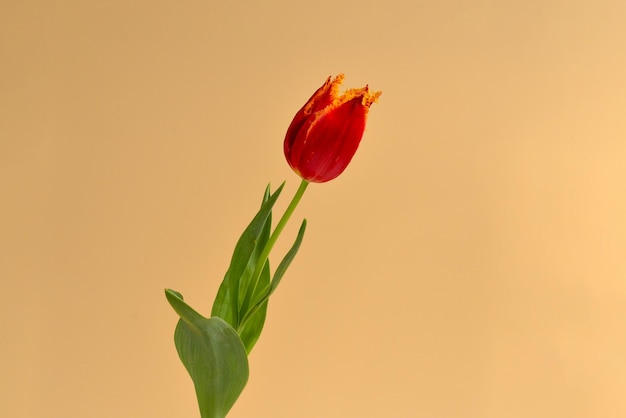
{"x":214,"y":356}
{"x":237,"y":283}
{"x":262,"y":297}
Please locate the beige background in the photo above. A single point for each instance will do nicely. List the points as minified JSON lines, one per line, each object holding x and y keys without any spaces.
{"x":469,"y":263}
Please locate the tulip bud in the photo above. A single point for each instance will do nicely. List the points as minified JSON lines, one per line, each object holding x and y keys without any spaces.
{"x":325,"y":134}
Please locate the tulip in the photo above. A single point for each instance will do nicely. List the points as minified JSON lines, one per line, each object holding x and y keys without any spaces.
{"x":325,"y":134}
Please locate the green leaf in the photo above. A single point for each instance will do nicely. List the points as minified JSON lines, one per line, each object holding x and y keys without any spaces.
{"x":286,"y":261}
{"x":251,"y":330}
{"x":247,"y":285}
{"x":214,"y":356}
{"x":238,"y":279}
{"x":263,"y":296}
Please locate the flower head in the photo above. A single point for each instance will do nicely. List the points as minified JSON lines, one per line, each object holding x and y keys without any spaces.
{"x":325,"y":134}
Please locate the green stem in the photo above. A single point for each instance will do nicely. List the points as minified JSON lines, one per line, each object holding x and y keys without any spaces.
{"x":279,"y":227}
{"x":270,"y":243}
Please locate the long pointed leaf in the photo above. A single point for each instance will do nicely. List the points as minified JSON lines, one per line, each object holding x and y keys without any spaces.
{"x":249,"y":285}
{"x":284,"y":264}
{"x":251,"y":331}
{"x":263,"y":296}
{"x":243,"y":262}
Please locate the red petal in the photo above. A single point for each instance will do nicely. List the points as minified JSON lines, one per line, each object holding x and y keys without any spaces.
{"x":322,"y":98}
{"x":325,"y":146}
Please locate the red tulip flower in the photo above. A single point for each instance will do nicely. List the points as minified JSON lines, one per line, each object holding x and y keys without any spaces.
{"x":325,"y":134}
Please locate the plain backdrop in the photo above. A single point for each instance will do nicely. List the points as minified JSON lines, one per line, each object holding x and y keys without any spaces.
{"x":470,"y":262}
